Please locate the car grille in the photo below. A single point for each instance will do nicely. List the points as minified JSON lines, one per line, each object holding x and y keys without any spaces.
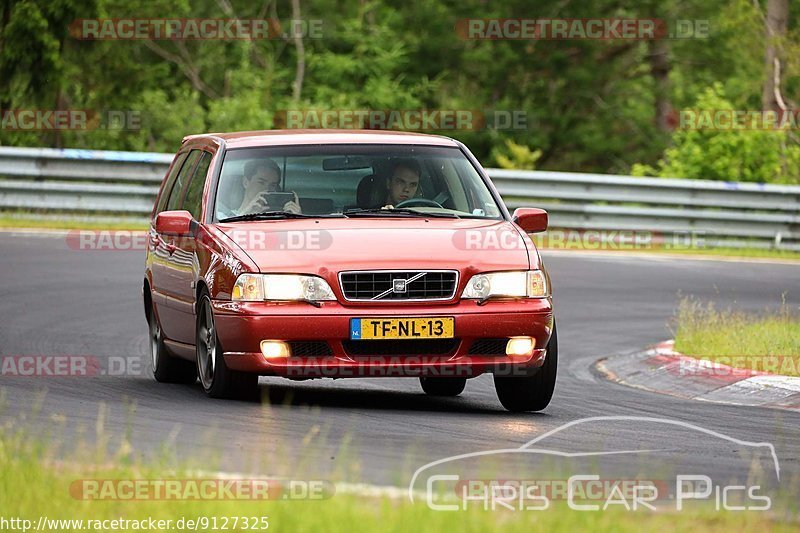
{"x":391,"y":285}
{"x":310,"y":348}
{"x":488,"y":347}
{"x":401,"y":347}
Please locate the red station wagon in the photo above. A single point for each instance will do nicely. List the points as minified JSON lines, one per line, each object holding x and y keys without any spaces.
{"x":311,"y":254}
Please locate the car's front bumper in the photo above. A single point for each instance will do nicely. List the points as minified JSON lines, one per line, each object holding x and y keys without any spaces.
{"x":242,"y":326}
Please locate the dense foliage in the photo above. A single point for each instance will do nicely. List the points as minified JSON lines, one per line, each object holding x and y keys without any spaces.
{"x":751,"y":154}
{"x":590,"y":105}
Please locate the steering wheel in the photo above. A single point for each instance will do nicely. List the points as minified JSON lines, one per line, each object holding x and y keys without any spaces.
{"x":419,"y":202}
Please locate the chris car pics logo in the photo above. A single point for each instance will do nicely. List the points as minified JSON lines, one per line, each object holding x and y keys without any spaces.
{"x":662,"y":480}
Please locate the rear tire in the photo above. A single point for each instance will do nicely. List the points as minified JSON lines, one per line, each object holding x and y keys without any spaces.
{"x":443,"y":386}
{"x":218,"y":380}
{"x":166,"y":369}
{"x":530,"y":393}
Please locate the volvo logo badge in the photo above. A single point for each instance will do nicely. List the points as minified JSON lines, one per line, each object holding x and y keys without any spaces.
{"x":399,"y":286}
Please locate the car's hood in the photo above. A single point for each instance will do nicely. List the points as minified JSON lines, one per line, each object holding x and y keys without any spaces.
{"x":328,"y":246}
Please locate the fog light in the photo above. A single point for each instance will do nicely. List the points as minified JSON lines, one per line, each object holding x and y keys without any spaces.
{"x":519,"y":346}
{"x":275,"y":349}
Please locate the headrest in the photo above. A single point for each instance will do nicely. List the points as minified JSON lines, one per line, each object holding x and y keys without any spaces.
{"x":371,"y":192}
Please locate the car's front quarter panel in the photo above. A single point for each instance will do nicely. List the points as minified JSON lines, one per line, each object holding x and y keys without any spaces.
{"x":221,"y":261}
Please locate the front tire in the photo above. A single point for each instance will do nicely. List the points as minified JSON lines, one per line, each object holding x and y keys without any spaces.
{"x":530,"y":393}
{"x":443,"y":386}
{"x":218,"y":380}
{"x":166,"y":369}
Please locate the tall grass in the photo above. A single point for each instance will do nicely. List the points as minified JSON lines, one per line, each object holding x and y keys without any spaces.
{"x":707,"y":332}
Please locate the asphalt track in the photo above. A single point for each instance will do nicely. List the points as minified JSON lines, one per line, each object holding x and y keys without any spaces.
{"x":61,"y":301}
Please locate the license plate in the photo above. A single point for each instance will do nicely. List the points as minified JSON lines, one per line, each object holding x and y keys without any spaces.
{"x":402,"y":328}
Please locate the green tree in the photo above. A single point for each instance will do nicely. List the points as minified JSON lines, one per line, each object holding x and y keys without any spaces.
{"x":727,"y":154}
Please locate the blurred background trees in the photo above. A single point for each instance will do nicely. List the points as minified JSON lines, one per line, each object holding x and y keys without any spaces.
{"x":605,"y":106}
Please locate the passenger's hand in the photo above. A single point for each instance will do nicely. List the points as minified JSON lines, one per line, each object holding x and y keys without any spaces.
{"x":293,"y":207}
{"x":256,"y":205}
{"x":388,"y":206}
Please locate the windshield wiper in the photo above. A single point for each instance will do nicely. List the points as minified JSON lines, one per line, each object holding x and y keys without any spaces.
{"x":267,"y":215}
{"x":396,"y":211}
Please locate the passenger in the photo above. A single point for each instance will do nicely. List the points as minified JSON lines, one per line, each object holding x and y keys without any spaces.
{"x":403,"y":181}
{"x":260,"y":177}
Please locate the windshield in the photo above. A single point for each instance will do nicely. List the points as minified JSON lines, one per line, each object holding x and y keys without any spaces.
{"x":354,"y":180}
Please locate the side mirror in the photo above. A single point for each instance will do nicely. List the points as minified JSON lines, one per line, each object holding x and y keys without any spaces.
{"x":530,"y":219}
{"x":178,"y":223}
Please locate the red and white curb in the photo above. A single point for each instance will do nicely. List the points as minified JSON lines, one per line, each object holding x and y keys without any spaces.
{"x":662,"y":369}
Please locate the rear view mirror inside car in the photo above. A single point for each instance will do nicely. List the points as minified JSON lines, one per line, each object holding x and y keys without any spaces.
{"x":346,"y":163}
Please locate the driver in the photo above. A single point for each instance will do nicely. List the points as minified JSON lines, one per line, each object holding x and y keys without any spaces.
{"x":403,"y":181}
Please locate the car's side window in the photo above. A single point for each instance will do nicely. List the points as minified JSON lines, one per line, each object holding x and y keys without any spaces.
{"x":194,"y":191}
{"x":162,"y":201}
{"x":176,"y":195}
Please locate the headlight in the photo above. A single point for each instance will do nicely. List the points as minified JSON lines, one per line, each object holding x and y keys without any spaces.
{"x":259,"y":287}
{"x":519,"y":284}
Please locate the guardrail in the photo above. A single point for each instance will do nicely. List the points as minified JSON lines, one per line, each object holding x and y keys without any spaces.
{"x":80,"y":181}
{"x":723,"y":213}
{"x":720,"y":213}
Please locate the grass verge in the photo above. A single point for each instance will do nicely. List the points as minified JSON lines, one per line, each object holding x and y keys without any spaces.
{"x":765,"y":342}
{"x":33,"y":484}
{"x":12,"y":222}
